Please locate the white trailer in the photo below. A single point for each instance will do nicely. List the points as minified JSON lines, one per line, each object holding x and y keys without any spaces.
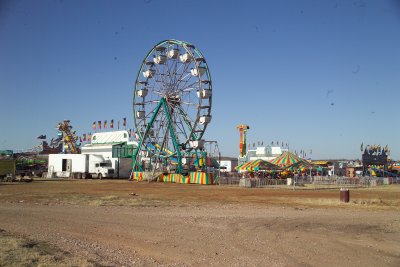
{"x":79,"y":166}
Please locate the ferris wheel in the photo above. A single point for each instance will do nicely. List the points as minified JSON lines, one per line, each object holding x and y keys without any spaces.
{"x":171,"y":103}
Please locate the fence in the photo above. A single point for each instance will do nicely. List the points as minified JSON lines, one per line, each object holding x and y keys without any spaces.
{"x":229,"y":180}
{"x":255,"y":182}
{"x":316,"y":181}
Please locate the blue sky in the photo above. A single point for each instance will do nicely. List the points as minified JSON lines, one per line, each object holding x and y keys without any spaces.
{"x":320,"y":75}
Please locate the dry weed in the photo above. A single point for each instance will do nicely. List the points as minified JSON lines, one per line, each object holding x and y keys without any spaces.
{"x":18,"y":251}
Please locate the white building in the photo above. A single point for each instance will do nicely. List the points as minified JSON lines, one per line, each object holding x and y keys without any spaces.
{"x":102,"y":144}
{"x":228,"y":164}
{"x":265,"y":153}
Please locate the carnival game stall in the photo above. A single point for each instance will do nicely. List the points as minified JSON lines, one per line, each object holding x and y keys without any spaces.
{"x":322,"y":167}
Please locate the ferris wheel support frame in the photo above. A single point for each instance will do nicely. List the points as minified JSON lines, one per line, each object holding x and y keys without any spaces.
{"x":171,"y":130}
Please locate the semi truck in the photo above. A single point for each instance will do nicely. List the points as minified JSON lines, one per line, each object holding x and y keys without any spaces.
{"x":80,"y":166}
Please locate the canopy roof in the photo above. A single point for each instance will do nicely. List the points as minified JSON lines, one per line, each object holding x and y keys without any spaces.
{"x":286,"y":159}
{"x":321,"y":162}
{"x":257,"y":165}
{"x":301,"y":166}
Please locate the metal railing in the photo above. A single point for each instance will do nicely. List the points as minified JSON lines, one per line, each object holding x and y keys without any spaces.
{"x":335,"y":181}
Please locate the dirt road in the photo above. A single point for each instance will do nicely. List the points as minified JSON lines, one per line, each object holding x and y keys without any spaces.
{"x":149,"y":225}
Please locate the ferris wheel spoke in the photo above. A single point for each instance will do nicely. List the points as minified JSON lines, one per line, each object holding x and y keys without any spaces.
{"x":189,"y":122}
{"x":183,"y":72}
{"x":160,"y":75}
{"x":160,"y":78}
{"x":189,"y":89}
{"x":168,"y":68}
{"x":189,"y":82}
{"x":158,"y":83}
{"x":190,"y":104}
{"x":180,"y":125}
{"x":191,"y":86}
{"x":185,"y":78}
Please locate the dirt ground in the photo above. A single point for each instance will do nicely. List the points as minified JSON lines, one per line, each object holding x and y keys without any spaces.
{"x":123,"y":223}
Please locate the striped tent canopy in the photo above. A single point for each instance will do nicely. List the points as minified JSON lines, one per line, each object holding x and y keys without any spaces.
{"x":301,"y":166}
{"x":286,"y":159}
{"x":257,"y":165}
{"x":242,"y":166}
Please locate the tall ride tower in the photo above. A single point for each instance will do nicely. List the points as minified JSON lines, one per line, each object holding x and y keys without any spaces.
{"x":242,"y":142}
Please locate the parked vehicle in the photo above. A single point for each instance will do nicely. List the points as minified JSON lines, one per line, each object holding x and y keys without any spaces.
{"x":7,"y":168}
{"x":80,"y":166}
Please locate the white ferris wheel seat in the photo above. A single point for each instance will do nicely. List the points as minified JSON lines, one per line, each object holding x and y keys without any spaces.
{"x":186,"y":58}
{"x":142,"y":92}
{"x":174,"y":53}
{"x":160,"y":59}
{"x":198,"y":72}
{"x":205,"y":93}
{"x":205,"y":119}
{"x":149,"y":73}
{"x":197,"y":144}
{"x":140,"y":114}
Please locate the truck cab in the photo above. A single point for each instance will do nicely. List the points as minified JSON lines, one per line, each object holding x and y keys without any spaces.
{"x":103,"y":169}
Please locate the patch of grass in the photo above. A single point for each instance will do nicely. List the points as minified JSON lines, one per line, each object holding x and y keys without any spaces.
{"x":111,"y":200}
{"x":18,"y":251}
{"x":330,"y":202}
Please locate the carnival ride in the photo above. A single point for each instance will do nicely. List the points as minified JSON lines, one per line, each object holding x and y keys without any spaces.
{"x":172,"y":108}
{"x":375,"y":157}
{"x":67,"y":137}
{"x":242,"y":141}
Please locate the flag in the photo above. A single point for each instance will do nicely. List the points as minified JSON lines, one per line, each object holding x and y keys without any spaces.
{"x":124,"y":122}
{"x":42,"y":136}
{"x":99,"y":124}
{"x":80,"y":139}
{"x":94,"y":125}
{"x":118,"y":125}
{"x":89,"y":136}
{"x":258,"y":143}
{"x":282,"y":144}
{"x":262,"y":143}
{"x":112,"y":124}
{"x":84,"y":138}
{"x":105,"y":124}
{"x":272,"y":143}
